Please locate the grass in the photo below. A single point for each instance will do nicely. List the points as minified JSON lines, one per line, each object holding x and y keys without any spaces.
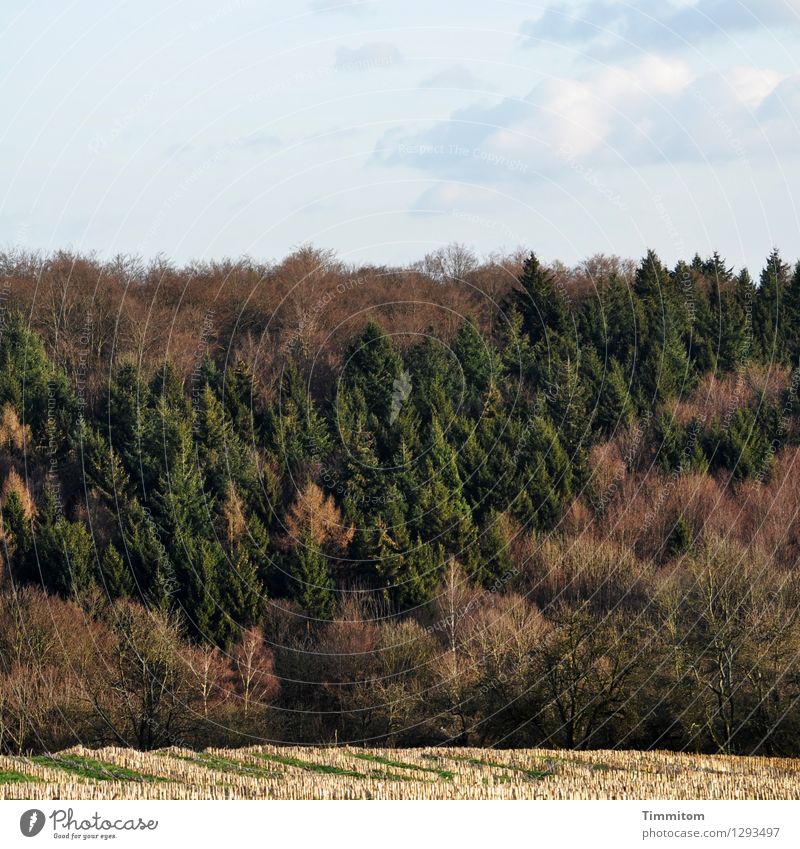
{"x":225,"y":764}
{"x":325,"y":769}
{"x":532,"y":774}
{"x":445,"y":774}
{"x":91,"y":768}
{"x":13,"y":777}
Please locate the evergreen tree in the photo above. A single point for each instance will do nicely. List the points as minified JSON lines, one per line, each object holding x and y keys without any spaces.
{"x":311,"y":579}
{"x":241,"y":595}
{"x":198,"y":575}
{"x":545,"y":474}
{"x":295,"y":431}
{"x":769,"y":309}
{"x":64,"y":551}
{"x":371,"y":366}
{"x":115,"y":576}
{"x":15,"y":524}
{"x":614,"y":404}
{"x":791,"y":317}
{"x":37,"y":389}
{"x":542,"y":305}
{"x":475,"y":358}
{"x":122,"y":417}
{"x":495,"y":560}
{"x":743,"y":447}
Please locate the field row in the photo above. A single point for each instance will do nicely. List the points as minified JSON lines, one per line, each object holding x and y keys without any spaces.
{"x":266,"y":772}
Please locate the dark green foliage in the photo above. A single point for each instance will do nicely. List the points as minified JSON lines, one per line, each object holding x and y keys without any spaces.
{"x":411,"y":575}
{"x":680,"y":539}
{"x":545,"y":474}
{"x":312,"y":585}
{"x":744,"y":446}
{"x":495,"y":557}
{"x":66,"y":556}
{"x":18,"y":547}
{"x":544,"y":310}
{"x":36,"y":388}
{"x":769,"y":310}
{"x":679,"y":449}
{"x":295,"y":431}
{"x":614,"y":406}
{"x":115,"y":576}
{"x":371,"y":366}
{"x":432,"y":452}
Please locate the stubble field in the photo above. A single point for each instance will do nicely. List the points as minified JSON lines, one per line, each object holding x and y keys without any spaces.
{"x":266,"y":772}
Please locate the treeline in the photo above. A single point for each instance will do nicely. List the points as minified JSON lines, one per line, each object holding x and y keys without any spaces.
{"x":527,"y":505}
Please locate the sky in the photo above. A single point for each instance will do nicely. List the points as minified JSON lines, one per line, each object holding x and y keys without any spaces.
{"x":385,"y":129}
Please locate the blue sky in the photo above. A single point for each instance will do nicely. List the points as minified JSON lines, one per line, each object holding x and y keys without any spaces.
{"x":385,"y":129}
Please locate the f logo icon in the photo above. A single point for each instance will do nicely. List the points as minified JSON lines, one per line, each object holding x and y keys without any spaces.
{"x":31,"y":822}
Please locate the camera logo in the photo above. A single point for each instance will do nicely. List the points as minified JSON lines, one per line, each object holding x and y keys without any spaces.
{"x":31,"y":822}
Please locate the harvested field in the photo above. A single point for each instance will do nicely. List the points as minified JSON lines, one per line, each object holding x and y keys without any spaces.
{"x":267,"y":772}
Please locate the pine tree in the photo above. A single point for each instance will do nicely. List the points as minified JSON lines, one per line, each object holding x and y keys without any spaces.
{"x":475,"y":358}
{"x":122,"y":420}
{"x":146,"y":555}
{"x":665,"y":366}
{"x":517,"y":356}
{"x":371,"y":366}
{"x":199,"y":586}
{"x":735,"y":317}
{"x":38,"y":390}
{"x":495,"y":560}
{"x":545,"y":479}
{"x":442,"y":514}
{"x":614,"y":407}
{"x":242,"y":596}
{"x":569,"y":413}
{"x":15,"y":525}
{"x":542,"y":305}
{"x":791,"y":317}
{"x":66,"y":556}
{"x":295,"y":431}
{"x":769,"y":309}
{"x":311,"y":580}
{"x":115,"y":576}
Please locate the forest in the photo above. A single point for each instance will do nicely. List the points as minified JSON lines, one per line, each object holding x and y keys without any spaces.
{"x":468,"y":501}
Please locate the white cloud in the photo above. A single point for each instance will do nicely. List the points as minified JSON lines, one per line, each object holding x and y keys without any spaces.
{"x":606,"y":27}
{"x":655,"y":111}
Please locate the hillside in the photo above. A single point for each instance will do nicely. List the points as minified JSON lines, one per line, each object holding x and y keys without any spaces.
{"x":465,"y":502}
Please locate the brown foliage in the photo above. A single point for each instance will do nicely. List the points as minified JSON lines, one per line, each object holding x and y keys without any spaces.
{"x":314,"y":513}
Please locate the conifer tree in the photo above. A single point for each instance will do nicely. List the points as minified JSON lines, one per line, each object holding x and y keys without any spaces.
{"x":311,"y":579}
{"x":542,"y":305}
{"x":495,"y":560}
{"x":371,"y":366}
{"x":769,"y":309}
{"x":475,"y":358}
{"x":115,"y":576}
